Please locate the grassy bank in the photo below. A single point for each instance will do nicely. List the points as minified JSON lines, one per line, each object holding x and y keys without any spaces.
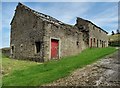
{"x":37,"y":74}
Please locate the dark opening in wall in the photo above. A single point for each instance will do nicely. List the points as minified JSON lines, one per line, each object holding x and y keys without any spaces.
{"x":81,"y":27}
{"x":38,"y":46}
{"x":12,"y":50}
{"x":21,"y":47}
{"x":97,"y":43}
{"x":94,"y":40}
{"x":77,"y":43}
{"x":102,"y":44}
{"x":91,"y":42}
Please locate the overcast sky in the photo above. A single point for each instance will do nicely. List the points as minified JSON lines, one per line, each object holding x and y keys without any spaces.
{"x":103,"y":14}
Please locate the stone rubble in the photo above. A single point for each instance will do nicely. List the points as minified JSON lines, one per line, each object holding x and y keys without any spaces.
{"x":101,"y":73}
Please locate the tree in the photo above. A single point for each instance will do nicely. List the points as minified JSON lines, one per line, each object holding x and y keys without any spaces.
{"x":117,"y":31}
{"x":113,"y":33}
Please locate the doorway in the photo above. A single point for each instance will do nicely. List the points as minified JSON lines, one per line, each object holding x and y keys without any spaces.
{"x":54,"y":48}
{"x":97,"y":43}
{"x":91,"y":42}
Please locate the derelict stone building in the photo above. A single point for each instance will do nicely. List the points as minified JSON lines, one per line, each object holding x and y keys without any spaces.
{"x":39,"y":37}
{"x":97,"y":36}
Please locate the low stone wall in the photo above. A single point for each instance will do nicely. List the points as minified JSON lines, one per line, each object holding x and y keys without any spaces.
{"x":6,"y":51}
{"x":114,"y":43}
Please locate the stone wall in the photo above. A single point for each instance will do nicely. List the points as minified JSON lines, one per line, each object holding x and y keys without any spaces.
{"x":70,"y":39}
{"x":98,"y":37}
{"x":5,"y":51}
{"x":29,"y":27}
{"x":95,"y":34}
{"x":26,"y":29}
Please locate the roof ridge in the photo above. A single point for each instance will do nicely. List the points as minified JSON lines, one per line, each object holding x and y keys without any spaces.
{"x":93,"y":24}
{"x":41,"y":15}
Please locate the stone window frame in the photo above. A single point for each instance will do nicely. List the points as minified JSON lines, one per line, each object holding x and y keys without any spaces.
{"x":77,"y":43}
{"x":105,"y":43}
{"x":36,"y":52}
{"x":100,"y":42}
{"x":59,"y":47}
{"x":12,"y":51}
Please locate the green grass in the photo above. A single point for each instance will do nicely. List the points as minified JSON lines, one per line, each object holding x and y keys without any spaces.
{"x":25,"y":73}
{"x":9,"y":65}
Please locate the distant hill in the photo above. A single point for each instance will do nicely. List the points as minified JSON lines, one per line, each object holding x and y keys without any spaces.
{"x":114,"y":40}
{"x":115,"y":37}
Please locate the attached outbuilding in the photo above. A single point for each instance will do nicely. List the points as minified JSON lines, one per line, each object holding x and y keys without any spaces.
{"x":97,"y":36}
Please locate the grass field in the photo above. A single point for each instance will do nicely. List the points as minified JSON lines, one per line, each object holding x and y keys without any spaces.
{"x":26,"y":73}
{"x":115,"y":37}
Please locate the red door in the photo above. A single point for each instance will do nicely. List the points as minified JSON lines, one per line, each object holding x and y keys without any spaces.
{"x":91,"y":42}
{"x":54,"y":48}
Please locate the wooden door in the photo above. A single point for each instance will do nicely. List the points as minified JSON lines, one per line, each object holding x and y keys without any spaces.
{"x":91,"y":42}
{"x":54,"y":48}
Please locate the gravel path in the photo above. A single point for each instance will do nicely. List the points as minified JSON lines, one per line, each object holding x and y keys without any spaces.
{"x":104,"y":72}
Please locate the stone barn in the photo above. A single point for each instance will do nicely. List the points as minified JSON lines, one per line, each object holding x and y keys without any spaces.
{"x":39,"y":37}
{"x":97,"y":36}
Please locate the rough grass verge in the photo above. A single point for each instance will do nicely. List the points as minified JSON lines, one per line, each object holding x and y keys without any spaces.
{"x":47,"y":72}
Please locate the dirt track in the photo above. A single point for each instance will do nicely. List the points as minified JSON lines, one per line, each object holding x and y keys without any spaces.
{"x":104,"y":72}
